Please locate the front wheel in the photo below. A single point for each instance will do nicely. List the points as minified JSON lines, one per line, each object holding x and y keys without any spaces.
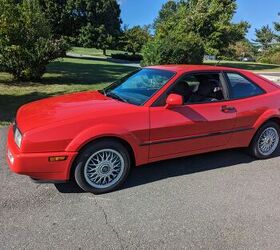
{"x":102,"y":167}
{"x":266,"y":141}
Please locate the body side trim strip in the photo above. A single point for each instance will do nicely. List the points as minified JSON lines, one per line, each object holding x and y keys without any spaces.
{"x":195,"y":137}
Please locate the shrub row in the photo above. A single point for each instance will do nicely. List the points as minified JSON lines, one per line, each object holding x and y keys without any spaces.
{"x":271,"y":56}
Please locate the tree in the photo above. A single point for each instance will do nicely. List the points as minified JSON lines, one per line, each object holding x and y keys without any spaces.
{"x":277,"y":29}
{"x":265,"y":37}
{"x":167,"y":11}
{"x":103,"y":23}
{"x":210,"y":21}
{"x":58,"y":13}
{"x":242,"y":49}
{"x":88,"y":23}
{"x":26,"y":42}
{"x":135,"y":38}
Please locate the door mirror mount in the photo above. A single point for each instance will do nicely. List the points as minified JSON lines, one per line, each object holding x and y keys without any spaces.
{"x":174,"y":100}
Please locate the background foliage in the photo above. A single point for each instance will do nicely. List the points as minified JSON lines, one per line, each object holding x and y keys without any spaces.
{"x":203,"y":25}
{"x":26,"y":41}
{"x":87,"y":23}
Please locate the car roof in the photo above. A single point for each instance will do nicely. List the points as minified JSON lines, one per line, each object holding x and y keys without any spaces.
{"x":188,"y":68}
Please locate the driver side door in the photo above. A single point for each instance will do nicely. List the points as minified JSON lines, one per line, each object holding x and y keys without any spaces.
{"x":190,"y":128}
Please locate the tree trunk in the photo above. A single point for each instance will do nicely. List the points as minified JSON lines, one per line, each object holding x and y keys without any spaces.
{"x":104,"y":52}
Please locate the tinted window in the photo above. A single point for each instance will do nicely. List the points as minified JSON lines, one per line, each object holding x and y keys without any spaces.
{"x":242,"y":87}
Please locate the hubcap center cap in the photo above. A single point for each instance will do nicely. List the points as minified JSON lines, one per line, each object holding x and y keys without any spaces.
{"x":268,"y":141}
{"x":105,"y":169}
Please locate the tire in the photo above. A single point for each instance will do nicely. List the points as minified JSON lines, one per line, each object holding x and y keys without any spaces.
{"x":102,"y":167}
{"x":272,"y":130}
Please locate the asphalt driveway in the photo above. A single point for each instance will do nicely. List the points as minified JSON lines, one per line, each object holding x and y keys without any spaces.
{"x":223,"y":200}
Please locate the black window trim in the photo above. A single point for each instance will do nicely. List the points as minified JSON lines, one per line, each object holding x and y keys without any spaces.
{"x":224,"y":83}
{"x":229,"y":87}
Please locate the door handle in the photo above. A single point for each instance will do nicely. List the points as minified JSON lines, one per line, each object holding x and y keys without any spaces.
{"x":228,"y":109}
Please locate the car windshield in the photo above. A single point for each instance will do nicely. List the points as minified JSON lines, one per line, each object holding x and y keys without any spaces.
{"x":138,"y":87}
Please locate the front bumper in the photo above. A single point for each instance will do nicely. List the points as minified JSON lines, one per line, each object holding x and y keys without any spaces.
{"x":37,"y":165}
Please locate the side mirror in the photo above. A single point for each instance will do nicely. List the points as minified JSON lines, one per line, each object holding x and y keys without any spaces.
{"x":174,"y":100}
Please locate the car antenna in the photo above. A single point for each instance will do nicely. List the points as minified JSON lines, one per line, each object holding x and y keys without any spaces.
{"x":218,"y":63}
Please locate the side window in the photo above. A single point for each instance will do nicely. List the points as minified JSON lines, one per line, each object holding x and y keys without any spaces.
{"x":241,"y":87}
{"x":196,"y":88}
{"x":200,"y":88}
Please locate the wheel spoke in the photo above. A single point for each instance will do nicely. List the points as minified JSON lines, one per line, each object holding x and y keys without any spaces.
{"x":268,"y":141}
{"x":104,"y":168}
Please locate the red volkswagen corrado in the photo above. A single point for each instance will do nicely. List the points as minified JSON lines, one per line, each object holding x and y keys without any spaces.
{"x":153,"y":114}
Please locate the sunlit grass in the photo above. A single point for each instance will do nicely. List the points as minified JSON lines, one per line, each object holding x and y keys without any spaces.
{"x":93,"y":51}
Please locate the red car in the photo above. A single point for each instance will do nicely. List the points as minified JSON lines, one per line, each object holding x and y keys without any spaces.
{"x":153,"y":114}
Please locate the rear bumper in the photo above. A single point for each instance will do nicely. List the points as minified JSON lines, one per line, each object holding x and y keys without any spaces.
{"x":37,"y":165}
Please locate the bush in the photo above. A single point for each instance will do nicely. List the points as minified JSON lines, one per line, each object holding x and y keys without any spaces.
{"x":127,"y":57}
{"x":135,"y":38}
{"x":171,"y":50}
{"x":26,"y":42}
{"x":272,"y":56}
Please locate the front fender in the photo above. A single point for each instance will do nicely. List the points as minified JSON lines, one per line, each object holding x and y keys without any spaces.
{"x":110,"y":130}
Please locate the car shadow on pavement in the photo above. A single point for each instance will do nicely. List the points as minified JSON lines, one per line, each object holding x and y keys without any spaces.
{"x":176,"y":167}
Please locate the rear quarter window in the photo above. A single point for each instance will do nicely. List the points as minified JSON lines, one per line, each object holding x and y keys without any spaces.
{"x":241,"y":87}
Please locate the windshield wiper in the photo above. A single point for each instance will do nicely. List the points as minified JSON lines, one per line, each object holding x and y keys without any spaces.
{"x":115,"y":96}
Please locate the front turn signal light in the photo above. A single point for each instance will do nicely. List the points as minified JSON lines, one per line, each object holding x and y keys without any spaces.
{"x":57,"y":158}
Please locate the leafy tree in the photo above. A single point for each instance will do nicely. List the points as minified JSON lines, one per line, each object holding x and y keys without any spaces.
{"x":26,"y":42}
{"x":167,"y":11}
{"x":243,"y":48}
{"x":58,"y":14}
{"x":103,"y":23}
{"x":135,"y":38}
{"x":86,"y":22}
{"x":265,"y":37}
{"x":210,"y":21}
{"x":277,"y":29}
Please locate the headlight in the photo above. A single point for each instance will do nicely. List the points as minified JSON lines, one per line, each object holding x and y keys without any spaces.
{"x":18,"y":137}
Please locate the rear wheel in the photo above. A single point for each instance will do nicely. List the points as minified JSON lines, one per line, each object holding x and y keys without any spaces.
{"x":266,"y":141}
{"x":102,"y":167}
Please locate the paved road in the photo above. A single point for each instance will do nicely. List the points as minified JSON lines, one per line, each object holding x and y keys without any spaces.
{"x":215,"y":201}
{"x":106,"y":59}
{"x":271,"y":73}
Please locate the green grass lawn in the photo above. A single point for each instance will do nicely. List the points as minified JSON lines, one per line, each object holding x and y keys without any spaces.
{"x":252,"y":66}
{"x":63,"y":76}
{"x":93,"y":51}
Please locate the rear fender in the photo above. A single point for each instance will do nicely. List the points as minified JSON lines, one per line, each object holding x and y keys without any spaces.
{"x":269,"y":114}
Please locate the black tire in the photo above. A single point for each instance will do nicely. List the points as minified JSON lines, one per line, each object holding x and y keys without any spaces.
{"x":254,"y":148}
{"x":92,"y":148}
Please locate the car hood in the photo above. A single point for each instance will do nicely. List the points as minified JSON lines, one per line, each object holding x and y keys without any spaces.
{"x":71,"y":107}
